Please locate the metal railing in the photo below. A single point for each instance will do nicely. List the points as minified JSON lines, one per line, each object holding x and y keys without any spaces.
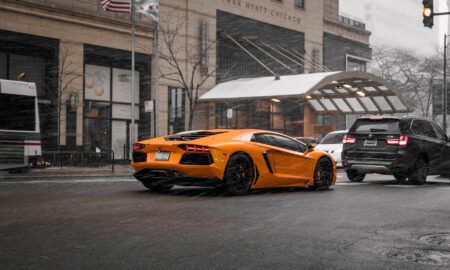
{"x":79,"y":158}
{"x":352,"y":23}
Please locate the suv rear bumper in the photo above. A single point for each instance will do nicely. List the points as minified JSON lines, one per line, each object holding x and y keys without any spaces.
{"x":378,"y":166}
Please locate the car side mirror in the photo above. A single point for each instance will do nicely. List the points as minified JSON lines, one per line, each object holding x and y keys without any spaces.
{"x":309,"y":147}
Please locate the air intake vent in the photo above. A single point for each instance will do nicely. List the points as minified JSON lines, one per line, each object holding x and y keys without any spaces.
{"x":190,"y":136}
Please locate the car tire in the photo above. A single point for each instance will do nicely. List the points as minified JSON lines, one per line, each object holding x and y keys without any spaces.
{"x":353,"y":176}
{"x":323,"y":174}
{"x":157,"y":187}
{"x":239,"y":174}
{"x":401,"y":178}
{"x":419,"y":172}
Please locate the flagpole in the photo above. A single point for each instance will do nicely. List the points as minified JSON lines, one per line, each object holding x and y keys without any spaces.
{"x":133,"y":43}
{"x":156,"y":70}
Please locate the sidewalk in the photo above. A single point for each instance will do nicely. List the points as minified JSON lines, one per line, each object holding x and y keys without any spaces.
{"x":70,"y":173}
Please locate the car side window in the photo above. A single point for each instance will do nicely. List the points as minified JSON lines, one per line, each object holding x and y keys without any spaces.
{"x":428,"y":129}
{"x":439,"y":132}
{"x":260,"y":138}
{"x":286,"y":143}
{"x":423,"y":128}
{"x":417,"y":128}
{"x":279,"y":141}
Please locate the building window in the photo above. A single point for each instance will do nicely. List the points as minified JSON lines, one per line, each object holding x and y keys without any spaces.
{"x":299,"y":3}
{"x":221,"y":115}
{"x":356,"y":64}
{"x":176,"y":109}
{"x":316,"y":60}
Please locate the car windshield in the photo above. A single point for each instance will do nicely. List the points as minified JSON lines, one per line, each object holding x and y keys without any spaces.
{"x":333,"y":138}
{"x":376,"y":125}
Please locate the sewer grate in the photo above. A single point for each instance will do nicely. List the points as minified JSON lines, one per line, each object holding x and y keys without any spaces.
{"x":423,"y":256}
{"x":440,"y":239}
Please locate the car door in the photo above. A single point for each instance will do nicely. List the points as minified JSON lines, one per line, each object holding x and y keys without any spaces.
{"x":444,"y":160}
{"x":290,"y":164}
{"x":430,"y":144}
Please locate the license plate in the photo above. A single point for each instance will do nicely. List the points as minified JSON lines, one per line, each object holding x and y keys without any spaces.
{"x":162,"y":156}
{"x":370,"y":143}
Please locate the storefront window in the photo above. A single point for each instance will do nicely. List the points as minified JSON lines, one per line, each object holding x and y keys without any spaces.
{"x":177,"y":110}
{"x":107,"y":95}
{"x":3,"y":63}
{"x":356,"y":65}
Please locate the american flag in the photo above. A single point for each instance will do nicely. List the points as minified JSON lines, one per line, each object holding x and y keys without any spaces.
{"x":123,"y":6}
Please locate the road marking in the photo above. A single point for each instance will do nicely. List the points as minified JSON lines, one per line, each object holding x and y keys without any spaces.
{"x":350,"y":184}
{"x":76,"y":181}
{"x":400,"y":186}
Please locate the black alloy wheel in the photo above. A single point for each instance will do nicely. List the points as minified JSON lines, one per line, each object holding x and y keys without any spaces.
{"x":323,"y":174}
{"x":419,"y":173}
{"x":353,"y":176}
{"x":239,"y":174}
{"x":156,"y":187}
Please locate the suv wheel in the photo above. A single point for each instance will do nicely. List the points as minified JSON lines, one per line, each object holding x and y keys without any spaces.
{"x":353,"y":176}
{"x":401,"y":178}
{"x":419,"y":173}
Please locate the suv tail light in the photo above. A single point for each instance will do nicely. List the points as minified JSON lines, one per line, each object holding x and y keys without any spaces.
{"x":194,"y":148}
{"x":348,"y":140}
{"x":402,"y":141}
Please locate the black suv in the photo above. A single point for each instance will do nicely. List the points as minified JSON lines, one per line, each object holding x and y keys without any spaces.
{"x":406,"y":147}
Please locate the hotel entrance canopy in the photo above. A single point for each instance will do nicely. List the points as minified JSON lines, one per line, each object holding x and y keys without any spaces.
{"x":326,"y":92}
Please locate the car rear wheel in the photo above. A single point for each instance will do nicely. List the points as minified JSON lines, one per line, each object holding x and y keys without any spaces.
{"x":323,"y":174}
{"x":353,"y":176}
{"x":419,"y":173}
{"x":157,"y":187}
{"x":239,"y":174}
{"x":401,"y":178}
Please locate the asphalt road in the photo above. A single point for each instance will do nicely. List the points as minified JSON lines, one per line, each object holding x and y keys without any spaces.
{"x":117,"y":224}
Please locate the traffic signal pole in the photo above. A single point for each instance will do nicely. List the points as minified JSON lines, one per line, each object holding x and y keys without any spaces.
{"x":444,"y":92}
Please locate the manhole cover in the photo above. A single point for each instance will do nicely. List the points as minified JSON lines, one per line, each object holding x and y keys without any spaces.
{"x":441,"y":239}
{"x":424,"y":256}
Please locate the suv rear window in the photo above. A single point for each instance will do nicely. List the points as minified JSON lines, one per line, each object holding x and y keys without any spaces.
{"x":376,"y":125}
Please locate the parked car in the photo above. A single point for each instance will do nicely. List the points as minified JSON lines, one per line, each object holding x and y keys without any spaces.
{"x":238,"y":160}
{"x":405,"y":147}
{"x":307,"y":140}
{"x":332,"y":143}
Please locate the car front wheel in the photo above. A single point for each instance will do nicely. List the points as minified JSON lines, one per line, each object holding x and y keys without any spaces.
{"x":323,"y":174}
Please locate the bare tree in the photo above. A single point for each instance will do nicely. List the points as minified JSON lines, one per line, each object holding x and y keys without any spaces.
{"x":68,"y":72}
{"x":413,"y":75}
{"x":177,"y":55}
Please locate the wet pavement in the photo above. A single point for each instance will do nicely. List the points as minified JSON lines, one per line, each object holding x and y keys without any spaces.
{"x":115,"y":223}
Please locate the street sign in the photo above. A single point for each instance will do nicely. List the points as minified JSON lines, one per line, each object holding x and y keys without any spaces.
{"x":148,"y":105}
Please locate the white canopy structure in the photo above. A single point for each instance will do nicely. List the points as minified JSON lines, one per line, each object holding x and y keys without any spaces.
{"x":325,"y":92}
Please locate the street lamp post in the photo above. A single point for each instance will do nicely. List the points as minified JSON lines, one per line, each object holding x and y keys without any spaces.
{"x":444,"y":91}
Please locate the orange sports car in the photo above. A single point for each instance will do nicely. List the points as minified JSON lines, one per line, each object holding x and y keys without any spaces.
{"x":237,"y":160}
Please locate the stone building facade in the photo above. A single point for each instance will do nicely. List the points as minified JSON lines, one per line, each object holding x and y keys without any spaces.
{"x":75,"y":50}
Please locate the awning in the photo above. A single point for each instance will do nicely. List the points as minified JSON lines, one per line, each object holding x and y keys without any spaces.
{"x":341,"y":91}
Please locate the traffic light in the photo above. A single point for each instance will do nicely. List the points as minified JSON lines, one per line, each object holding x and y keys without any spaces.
{"x":428,"y":13}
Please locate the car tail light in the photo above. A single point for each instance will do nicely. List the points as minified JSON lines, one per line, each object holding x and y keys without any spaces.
{"x":194,"y":148}
{"x":138,"y":146}
{"x":348,"y":140}
{"x":402,"y":141}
